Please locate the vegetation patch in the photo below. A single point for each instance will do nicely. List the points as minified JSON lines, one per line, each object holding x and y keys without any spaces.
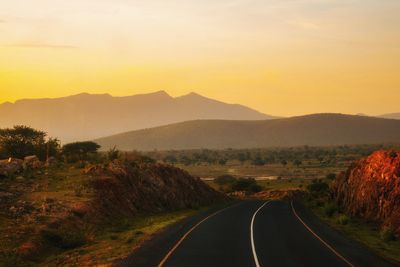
{"x":380,"y":240}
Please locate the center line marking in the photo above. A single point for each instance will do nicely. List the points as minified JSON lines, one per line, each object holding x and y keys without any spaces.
{"x":253,"y":246}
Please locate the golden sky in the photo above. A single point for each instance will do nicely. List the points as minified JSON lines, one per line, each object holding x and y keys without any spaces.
{"x":282,"y":57}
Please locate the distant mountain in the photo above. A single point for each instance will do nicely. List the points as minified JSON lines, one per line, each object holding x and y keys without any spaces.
{"x":87,"y":116}
{"x":395,"y":116}
{"x":313,"y":130}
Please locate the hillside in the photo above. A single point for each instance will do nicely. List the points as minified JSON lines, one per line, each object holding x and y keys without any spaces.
{"x":371,"y":189}
{"x":86,"y":116}
{"x":67,"y":216}
{"x":313,"y":130}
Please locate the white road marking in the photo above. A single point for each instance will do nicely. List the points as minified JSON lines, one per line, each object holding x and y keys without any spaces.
{"x":172,"y":250}
{"x":319,"y":238}
{"x":253,"y":246}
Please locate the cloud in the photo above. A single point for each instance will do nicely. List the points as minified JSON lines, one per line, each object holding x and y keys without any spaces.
{"x":2,"y":21}
{"x":41,"y":45}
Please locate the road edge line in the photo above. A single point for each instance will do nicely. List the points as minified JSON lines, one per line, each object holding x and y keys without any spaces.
{"x":172,"y":250}
{"x":319,"y":238}
{"x":253,"y":246}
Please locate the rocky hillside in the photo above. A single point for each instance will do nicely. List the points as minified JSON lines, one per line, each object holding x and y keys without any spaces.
{"x":371,"y":189}
{"x":137,"y":188}
{"x":66,"y":216}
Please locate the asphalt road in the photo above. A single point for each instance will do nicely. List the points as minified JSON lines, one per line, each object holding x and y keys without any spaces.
{"x":254,"y":234}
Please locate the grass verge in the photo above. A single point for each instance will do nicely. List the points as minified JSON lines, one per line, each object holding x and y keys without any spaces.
{"x":120,"y":240}
{"x":367,"y":233}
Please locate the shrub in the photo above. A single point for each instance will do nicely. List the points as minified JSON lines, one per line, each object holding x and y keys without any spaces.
{"x":343,"y":219}
{"x":113,"y":154}
{"x":387,"y":234}
{"x":331,"y":176}
{"x":64,"y":239}
{"x":245,"y":184}
{"x":318,"y":186}
{"x":255,"y":188}
{"x":224,"y":179}
{"x":330,"y":209}
{"x":222,"y":161}
{"x":11,"y":259}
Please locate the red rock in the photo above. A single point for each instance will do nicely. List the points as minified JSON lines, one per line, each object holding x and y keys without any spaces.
{"x":370,"y":189}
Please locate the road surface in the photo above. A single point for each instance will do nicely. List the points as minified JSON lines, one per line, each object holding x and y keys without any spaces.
{"x":253,"y":234}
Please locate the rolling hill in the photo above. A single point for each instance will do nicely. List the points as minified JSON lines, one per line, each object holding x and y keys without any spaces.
{"x":86,"y":116}
{"x":313,"y":130}
{"x":395,"y":116}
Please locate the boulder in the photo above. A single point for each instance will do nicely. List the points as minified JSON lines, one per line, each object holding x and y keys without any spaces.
{"x":32,"y":162}
{"x":370,"y":189}
{"x":10,"y":167}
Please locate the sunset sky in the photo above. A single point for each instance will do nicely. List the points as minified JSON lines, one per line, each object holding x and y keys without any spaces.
{"x":282,"y":57}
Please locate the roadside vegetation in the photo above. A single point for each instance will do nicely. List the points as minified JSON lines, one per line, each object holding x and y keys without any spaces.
{"x":381,"y":240}
{"x":44,"y":191}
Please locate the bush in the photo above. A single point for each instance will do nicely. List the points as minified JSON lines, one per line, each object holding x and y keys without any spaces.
{"x":331,"y":176}
{"x":11,"y":259}
{"x":387,"y":234}
{"x":224,"y":179}
{"x":330,"y":209}
{"x":246,"y":184}
{"x":63,"y":239}
{"x":113,"y":154}
{"x":255,"y":188}
{"x":318,"y":186}
{"x":343,"y":219}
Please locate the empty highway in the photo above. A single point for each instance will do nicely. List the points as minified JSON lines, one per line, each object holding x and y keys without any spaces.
{"x":252,"y":234}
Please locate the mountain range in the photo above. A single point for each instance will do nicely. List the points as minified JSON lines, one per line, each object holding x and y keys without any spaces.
{"x":312,"y":130}
{"x":87,"y":116}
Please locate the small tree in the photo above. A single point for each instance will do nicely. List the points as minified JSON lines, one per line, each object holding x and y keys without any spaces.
{"x":297,"y":162}
{"x":79,"y":151}
{"x":222,"y":161}
{"x":259,"y":161}
{"x":113,"y":154}
{"x":171,"y":159}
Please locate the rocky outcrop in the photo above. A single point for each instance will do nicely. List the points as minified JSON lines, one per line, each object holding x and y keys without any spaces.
{"x":32,"y":162}
{"x":371,"y":189}
{"x":128,"y":189}
{"x":12,"y":166}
